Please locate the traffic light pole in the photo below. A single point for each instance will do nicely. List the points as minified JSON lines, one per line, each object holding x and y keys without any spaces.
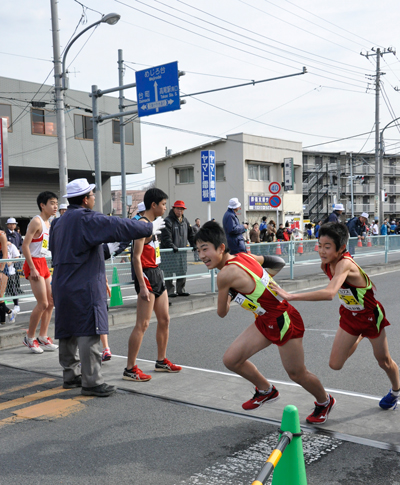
{"x":351,"y":185}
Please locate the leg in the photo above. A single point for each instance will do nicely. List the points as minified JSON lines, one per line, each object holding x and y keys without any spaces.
{"x":90,"y":352}
{"x":162,"y":335}
{"x":104,"y":341}
{"x":40,"y":292}
{"x":385,"y":361}
{"x":292,"y":357}
{"x":68,"y":357}
{"x":169,"y":285}
{"x":247,"y":344}
{"x":46,"y":316}
{"x":180,"y":285}
{"x":342,"y":348}
{"x":143,"y":314}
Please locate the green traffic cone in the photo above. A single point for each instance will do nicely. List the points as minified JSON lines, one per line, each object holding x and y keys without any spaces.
{"x":116,"y":295}
{"x":291,"y":469}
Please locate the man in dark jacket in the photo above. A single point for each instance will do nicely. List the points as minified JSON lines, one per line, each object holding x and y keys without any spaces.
{"x":356,"y":227}
{"x":176,"y":234}
{"x":337,"y":212}
{"x":79,"y":284}
{"x":233,"y":229}
{"x":12,"y":235}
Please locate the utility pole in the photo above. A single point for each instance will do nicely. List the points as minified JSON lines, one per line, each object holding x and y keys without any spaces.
{"x":378,"y":166}
{"x":122,"y":131}
{"x":59,"y":95}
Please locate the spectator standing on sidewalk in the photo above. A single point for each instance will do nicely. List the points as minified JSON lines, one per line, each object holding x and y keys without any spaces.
{"x":233,"y":229}
{"x":356,"y":227}
{"x":13,"y":278}
{"x":337,"y":212}
{"x":255,"y":234}
{"x":79,"y":284}
{"x":12,"y":235}
{"x":176,"y":234}
{"x":196,"y":228}
{"x":62,"y":209}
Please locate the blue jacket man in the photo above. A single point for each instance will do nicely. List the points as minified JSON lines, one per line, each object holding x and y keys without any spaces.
{"x":356,"y":227}
{"x":79,"y":284}
{"x":233,"y":229}
{"x":337,"y":211}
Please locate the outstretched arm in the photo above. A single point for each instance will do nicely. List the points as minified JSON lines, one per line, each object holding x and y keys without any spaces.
{"x":273,"y":264}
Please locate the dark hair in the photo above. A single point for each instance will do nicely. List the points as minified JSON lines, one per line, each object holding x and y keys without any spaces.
{"x":78,"y":199}
{"x":264,"y":218}
{"x":336,"y":231}
{"x":153,"y":195}
{"x":212,"y":232}
{"x":44,"y":197}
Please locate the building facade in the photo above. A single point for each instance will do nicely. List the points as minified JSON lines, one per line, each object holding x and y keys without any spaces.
{"x":33,"y":151}
{"x":327,"y":180}
{"x":245,"y":167}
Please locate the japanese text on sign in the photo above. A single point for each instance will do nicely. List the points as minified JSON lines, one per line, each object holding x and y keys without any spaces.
{"x":208,"y":187}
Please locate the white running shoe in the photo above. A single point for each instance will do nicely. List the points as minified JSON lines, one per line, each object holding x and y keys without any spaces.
{"x":11,"y":316}
{"x":17,"y":309}
{"x":33,"y":347}
{"x":47,"y":344}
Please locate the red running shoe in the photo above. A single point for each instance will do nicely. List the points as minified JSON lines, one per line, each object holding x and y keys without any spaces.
{"x":167,"y":366}
{"x":135,"y":374}
{"x":321,"y":413}
{"x":259,"y":399}
{"x":106,"y":355}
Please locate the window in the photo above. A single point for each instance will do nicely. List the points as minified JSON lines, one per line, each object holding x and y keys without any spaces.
{"x":184,"y":175}
{"x":318,"y":161}
{"x":5,"y":112}
{"x":392,"y":199}
{"x":365,"y":199}
{"x":44,"y":122}
{"x":83,"y":127}
{"x":128,"y":133}
{"x":220,"y":172}
{"x":258,"y":172}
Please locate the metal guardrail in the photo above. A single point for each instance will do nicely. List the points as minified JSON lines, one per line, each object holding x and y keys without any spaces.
{"x":185,"y":263}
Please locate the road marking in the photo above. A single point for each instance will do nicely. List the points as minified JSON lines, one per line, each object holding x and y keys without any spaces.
{"x":45,"y":380}
{"x":32,"y":397}
{"x":55,"y":408}
{"x":285,"y":383}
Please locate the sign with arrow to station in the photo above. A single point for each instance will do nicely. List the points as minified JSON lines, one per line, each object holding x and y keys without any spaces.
{"x":157,"y":89}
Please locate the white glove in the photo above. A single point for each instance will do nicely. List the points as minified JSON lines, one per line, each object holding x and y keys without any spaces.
{"x":158,"y":224}
{"x":112,"y":247}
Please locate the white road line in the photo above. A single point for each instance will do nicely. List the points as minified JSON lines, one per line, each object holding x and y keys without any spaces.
{"x":335,"y":391}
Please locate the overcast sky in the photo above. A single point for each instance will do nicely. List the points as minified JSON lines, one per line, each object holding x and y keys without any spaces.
{"x":221,"y":43}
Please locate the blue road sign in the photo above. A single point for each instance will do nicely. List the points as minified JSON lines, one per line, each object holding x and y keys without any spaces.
{"x":157,"y":89}
{"x":208,"y":188}
{"x":275,"y":201}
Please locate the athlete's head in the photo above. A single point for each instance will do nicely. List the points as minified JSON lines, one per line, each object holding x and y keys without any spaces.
{"x":211,"y":244}
{"x":332,"y":241}
{"x":45,"y":197}
{"x":157,"y":197}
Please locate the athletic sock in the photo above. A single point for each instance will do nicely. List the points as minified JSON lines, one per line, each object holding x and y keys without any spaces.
{"x":160,"y":361}
{"x":267,"y":391}
{"x":30,"y":340}
{"x":324,"y":404}
{"x":396,"y":393}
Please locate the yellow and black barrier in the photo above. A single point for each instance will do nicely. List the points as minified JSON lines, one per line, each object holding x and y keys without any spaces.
{"x":288,"y":466}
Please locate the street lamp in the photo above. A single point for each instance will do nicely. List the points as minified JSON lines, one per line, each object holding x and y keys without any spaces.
{"x":61,"y":84}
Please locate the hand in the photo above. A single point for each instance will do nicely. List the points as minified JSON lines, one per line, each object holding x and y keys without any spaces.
{"x":175,"y":249}
{"x":245,"y":226}
{"x":158,"y":224}
{"x":34,"y":274}
{"x":113,"y":247}
{"x":144,"y":294}
{"x":280,"y":291}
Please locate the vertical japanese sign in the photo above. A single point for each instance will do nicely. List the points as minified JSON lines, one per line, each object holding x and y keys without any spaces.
{"x":289,"y":173}
{"x":4,"y":180}
{"x":208,"y":188}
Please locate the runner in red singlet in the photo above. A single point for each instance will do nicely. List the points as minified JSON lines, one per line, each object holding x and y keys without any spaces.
{"x":361,"y":315}
{"x":247,"y":279}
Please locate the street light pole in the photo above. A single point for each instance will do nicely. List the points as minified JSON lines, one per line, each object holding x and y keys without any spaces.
{"x":60,"y":84}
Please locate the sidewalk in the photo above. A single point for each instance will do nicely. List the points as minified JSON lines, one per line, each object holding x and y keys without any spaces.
{"x":11,"y":335}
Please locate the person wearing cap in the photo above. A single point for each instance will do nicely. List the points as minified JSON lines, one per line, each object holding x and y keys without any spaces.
{"x":233,"y":229}
{"x":176,"y":234}
{"x":141,"y":208}
{"x":62,"y":209}
{"x":12,"y":235}
{"x":337,"y":211}
{"x":79,"y":284}
{"x":356,"y":227}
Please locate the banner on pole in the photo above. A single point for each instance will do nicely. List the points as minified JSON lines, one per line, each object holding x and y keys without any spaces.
{"x":208,"y":187}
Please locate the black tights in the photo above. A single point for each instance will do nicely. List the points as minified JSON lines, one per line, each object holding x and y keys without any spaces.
{"x":4,"y":310}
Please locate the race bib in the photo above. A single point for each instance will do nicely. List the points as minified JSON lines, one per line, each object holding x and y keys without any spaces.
{"x":347,"y":299}
{"x":247,"y":304}
{"x":157,"y":251}
{"x":266,"y":280}
{"x":44,"y":250}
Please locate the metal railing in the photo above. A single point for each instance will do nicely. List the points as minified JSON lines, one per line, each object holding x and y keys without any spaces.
{"x":185,"y":263}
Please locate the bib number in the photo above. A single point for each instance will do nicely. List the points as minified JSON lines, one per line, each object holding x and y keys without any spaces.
{"x":44,"y":250}
{"x":347,"y":299}
{"x":266,"y":280}
{"x":157,"y":251}
{"x":247,"y":304}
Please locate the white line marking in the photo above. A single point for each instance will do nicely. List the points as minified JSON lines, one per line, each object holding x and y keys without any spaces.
{"x":336,"y":391}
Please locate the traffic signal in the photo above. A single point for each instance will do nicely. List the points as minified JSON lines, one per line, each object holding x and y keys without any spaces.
{"x":360,"y":178}
{"x":386,"y":196}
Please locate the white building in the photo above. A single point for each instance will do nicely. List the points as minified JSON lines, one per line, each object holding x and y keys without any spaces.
{"x":245,"y":167}
{"x":32,"y":144}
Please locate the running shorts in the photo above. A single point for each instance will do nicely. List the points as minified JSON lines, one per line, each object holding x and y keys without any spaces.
{"x":367,"y":323}
{"x":270,"y":326}
{"x":154,"y":279}
{"x":40,"y":265}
